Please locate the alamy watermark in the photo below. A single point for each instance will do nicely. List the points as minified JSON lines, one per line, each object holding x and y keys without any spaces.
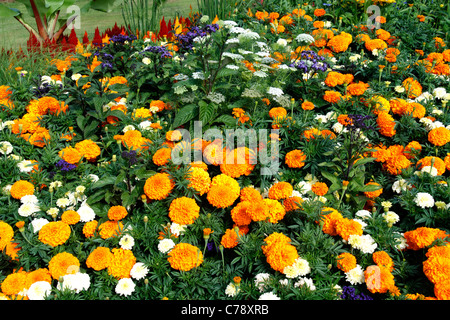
{"x":262,"y":145}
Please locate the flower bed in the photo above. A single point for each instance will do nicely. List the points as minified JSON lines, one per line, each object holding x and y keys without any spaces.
{"x":284,"y":153}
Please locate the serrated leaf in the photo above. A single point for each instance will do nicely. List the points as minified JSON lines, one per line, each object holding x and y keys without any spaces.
{"x":185,"y":114}
{"x":207,"y":112}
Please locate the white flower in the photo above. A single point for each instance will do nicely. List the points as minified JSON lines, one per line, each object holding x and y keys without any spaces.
{"x":401,"y":242}
{"x":337,"y":127}
{"x":165,"y":245}
{"x":238,"y":30}
{"x":52,"y":211}
{"x":198,"y":75}
{"x":76,"y":76}
{"x":365,"y":243}
{"x":75,"y":281}
{"x":248,"y":34}
{"x":145,"y":125}
{"x":439,"y":92}
{"x":430,"y":170}
{"x":232,"y":290}
{"x":38,"y":223}
{"x":441,"y":205}
{"x":391,"y":217}
{"x":125,"y":287}
{"x":275,"y":91}
{"x":399,"y":89}
{"x":232,"y":40}
{"x":55,"y":184}
{"x":269,"y":296}
{"x":62,"y":202}
{"x":400,"y":185}
{"x":25,"y":166}
{"x":146,"y":61}
{"x":321,"y":118}
{"x":86,"y":213}
{"x":39,"y":290}
{"x":355,"y":276}
{"x":437,"y":112}
{"x":29,"y":199}
{"x":126,"y":242}
{"x":177,"y":229}
{"x":129,"y":127}
{"x":261,"y":280}
{"x":5,"y":147}
{"x":300,"y":267}
{"x":28,"y":209}
{"x":424,"y":200}
{"x":80,"y":189}
{"x":138,"y":271}
{"x":364,"y":214}
{"x":304,"y":39}
{"x":304,"y":187}
{"x":308,"y":282}
{"x":282,"y":42}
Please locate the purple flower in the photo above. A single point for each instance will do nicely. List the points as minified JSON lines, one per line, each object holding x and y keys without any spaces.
{"x":65,"y":166}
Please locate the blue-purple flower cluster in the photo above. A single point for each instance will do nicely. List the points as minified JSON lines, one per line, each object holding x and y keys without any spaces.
{"x":161,"y":50}
{"x":310,"y":61}
{"x":121,"y":38}
{"x":186,"y":41}
{"x":65,"y":166}
{"x":349,"y":293}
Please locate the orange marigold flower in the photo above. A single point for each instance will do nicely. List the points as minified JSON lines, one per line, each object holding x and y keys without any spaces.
{"x":276,"y":211}
{"x":382,"y":34}
{"x":5,"y":92}
{"x":41,"y":274}
{"x":382,"y":258}
{"x":329,"y":220}
{"x":319,"y":188}
{"x":89,"y":149}
{"x":347,"y":227}
{"x":334,"y":78}
{"x":121,"y":263}
{"x":54,"y":233}
{"x":281,"y":255}
{"x":319,"y":12}
{"x":332,"y":96}
{"x":117,"y":213}
{"x":238,"y":162}
{"x":277,"y":113}
{"x":250,"y":194}
{"x":439,"y":136}
{"x":21,"y":188}
{"x":447,"y":161}
{"x":159,"y":104}
{"x":133,"y":140}
{"x":185,"y":257}
{"x":240,"y":215}
{"x":70,"y":217}
{"x":70,"y":155}
{"x":223,"y":192}
{"x":295,"y":159}
{"x":396,"y":163}
{"x":379,"y":280}
{"x":308,"y":105}
{"x":357,"y":89}
{"x":292,"y":203}
{"x":373,"y":194}
{"x":200,"y":180}
{"x":340,"y":42}
{"x":230,"y":239}
{"x":346,"y":261}
{"x":372,"y":44}
{"x":413,"y":87}
{"x":258,"y":210}
{"x":438,"y":163}
{"x":280,"y":190}
{"x":14,"y":283}
{"x":312,"y":133}
{"x":159,"y":186}
{"x":100,"y":258}
{"x":422,"y":237}
{"x":63,"y":263}
{"x":110,"y":228}
{"x":162,"y":156}
{"x":89,"y":228}
{"x":183,"y":210}
{"x":6,"y":234}
{"x":412,"y":149}
{"x":386,"y":124}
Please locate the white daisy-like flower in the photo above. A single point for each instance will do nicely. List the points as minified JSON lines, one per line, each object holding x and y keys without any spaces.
{"x":75,"y":281}
{"x":129,"y":127}
{"x":261,"y":281}
{"x":400,"y":185}
{"x":125,"y":287}
{"x":364,"y":243}
{"x":29,"y":199}
{"x":38,"y":223}
{"x":424,"y":200}
{"x":355,"y":276}
{"x":177,"y":229}
{"x":86,"y":213}
{"x":25,"y":166}
{"x":39,"y":290}
{"x":269,"y":296}
{"x":165,"y":245}
{"x":6,"y":147}
{"x":363,"y":214}
{"x":308,"y":282}
{"x":28,"y":209}
{"x":300,"y":267}
{"x":145,"y":125}
{"x":63,"y":202}
{"x":439,"y":92}
{"x":391,"y":217}
{"x":232,"y":290}
{"x":138,"y":271}
{"x":126,"y":242}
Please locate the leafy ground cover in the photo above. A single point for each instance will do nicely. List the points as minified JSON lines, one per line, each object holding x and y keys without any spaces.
{"x":283,"y":152}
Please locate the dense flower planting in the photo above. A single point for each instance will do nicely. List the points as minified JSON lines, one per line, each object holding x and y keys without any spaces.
{"x":352,"y":204}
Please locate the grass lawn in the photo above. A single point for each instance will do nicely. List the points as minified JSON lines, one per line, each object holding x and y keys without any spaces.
{"x":13,"y":35}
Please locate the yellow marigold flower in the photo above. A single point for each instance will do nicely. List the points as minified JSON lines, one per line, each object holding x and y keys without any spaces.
{"x":238,"y":162}
{"x":159,"y":186}
{"x":21,"y":188}
{"x":386,"y":124}
{"x":89,"y":149}
{"x":183,"y":210}
{"x":200,"y":180}
{"x":89,"y":228}
{"x":41,"y":274}
{"x":223,"y":192}
{"x":6,"y":234}
{"x":110,"y":228}
{"x":70,"y":217}
{"x":14,"y":283}
{"x":70,"y":155}
{"x":281,"y":255}
{"x":63,"y":263}
{"x":54,"y":233}
{"x":439,"y":136}
{"x":276,"y":210}
{"x":185,"y":257}
{"x":121,"y":263}
{"x":413,"y":87}
{"x":258,"y":210}
{"x":346,"y":261}
{"x":117,"y":213}
{"x":250,"y":194}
